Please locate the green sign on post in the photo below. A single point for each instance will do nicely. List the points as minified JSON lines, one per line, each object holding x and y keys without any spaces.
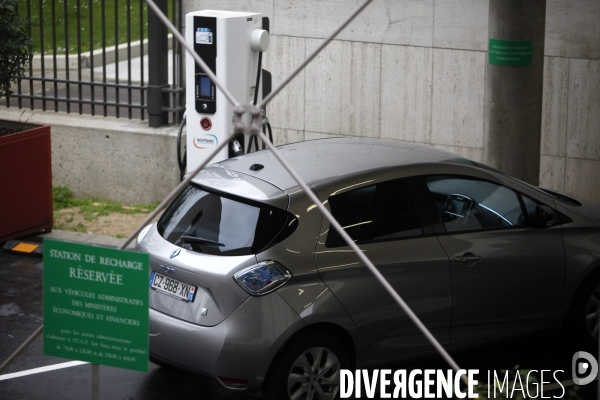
{"x":96,"y":304}
{"x":512,"y":53}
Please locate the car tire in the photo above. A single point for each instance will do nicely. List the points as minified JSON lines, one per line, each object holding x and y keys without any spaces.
{"x":308,"y":368}
{"x":583,"y":320}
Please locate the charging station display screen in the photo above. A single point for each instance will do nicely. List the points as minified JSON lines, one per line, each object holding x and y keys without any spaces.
{"x":204,"y":36}
{"x":205,"y":44}
{"x":204,"y":86}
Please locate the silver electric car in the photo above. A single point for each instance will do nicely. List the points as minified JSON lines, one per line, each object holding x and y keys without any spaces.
{"x":251,"y":286}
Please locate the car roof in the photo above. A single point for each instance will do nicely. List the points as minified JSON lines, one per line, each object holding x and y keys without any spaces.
{"x":324,"y":159}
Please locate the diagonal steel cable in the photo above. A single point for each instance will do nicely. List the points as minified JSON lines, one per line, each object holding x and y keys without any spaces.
{"x":176,"y":191}
{"x":315,"y":53}
{"x":361,"y":255}
{"x":191,"y":52}
{"x":148,"y":219}
{"x":414,"y":318}
{"x":228,"y":95}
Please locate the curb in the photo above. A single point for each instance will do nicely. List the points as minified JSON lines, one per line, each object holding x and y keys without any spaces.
{"x":76,"y":237}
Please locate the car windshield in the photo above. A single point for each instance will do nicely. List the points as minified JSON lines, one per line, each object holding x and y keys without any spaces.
{"x":213,"y":224}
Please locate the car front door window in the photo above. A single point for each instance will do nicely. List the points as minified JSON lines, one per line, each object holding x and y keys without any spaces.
{"x":470,"y":204}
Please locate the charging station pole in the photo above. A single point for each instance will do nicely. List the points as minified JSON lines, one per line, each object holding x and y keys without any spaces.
{"x":229,"y":43}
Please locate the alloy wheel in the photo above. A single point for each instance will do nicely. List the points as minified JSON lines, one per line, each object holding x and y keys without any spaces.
{"x":314,"y":375}
{"x":592,"y":313}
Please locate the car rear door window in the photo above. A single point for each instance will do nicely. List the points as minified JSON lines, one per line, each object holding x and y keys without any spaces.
{"x":473,"y":204}
{"x":380,"y":212}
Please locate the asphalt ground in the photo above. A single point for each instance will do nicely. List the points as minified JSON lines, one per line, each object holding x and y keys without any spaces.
{"x":21,"y":314}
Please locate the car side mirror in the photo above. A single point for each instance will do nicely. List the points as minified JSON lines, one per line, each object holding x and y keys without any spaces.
{"x":544,"y":217}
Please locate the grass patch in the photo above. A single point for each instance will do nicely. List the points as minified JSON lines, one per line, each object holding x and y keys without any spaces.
{"x":92,"y":208}
{"x":61,"y":23}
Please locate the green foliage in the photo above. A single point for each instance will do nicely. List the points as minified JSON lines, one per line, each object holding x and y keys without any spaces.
{"x":15,"y":45}
{"x":62,"y":197}
{"x":62,"y":23}
{"x":93,"y":208}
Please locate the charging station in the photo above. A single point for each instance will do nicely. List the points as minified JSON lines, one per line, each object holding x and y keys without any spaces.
{"x":231,"y":44}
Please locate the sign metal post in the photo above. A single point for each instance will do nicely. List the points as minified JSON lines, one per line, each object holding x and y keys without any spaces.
{"x":96,"y":306}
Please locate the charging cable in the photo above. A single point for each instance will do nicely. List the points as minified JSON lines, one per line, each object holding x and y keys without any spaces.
{"x":181,"y":161}
{"x":253,"y":138}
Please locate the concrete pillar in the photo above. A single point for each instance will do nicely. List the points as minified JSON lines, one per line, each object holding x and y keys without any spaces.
{"x":513,"y":94}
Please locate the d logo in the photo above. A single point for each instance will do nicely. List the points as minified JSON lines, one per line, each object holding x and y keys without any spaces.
{"x":581,"y":367}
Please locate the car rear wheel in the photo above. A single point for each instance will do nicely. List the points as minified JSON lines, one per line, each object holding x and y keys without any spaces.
{"x":308,"y":369}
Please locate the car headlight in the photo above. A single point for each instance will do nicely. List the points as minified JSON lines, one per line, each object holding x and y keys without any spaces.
{"x":263,"y":277}
{"x":143,"y":233}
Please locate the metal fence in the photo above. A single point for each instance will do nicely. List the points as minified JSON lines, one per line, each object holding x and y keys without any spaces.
{"x":103,"y":57}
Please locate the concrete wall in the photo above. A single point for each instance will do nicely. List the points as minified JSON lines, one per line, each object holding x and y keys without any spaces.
{"x":108,"y":158}
{"x":414,"y":70}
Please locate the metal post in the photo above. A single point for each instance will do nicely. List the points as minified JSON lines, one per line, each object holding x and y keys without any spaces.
{"x":179,"y":60}
{"x":513,"y":94}
{"x":158,"y":75}
{"x":95,"y":382}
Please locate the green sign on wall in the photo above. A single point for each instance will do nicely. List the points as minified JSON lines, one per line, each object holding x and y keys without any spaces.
{"x":513,"y":53}
{"x":96,"y":304}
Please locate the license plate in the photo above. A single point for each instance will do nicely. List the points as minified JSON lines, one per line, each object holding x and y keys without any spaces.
{"x":172,"y":287}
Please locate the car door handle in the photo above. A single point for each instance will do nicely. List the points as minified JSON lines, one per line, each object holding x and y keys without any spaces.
{"x":467,"y":258}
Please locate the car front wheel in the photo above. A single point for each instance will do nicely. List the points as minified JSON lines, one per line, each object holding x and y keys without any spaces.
{"x":584,"y":315}
{"x":592,"y":313}
{"x":308,"y":369}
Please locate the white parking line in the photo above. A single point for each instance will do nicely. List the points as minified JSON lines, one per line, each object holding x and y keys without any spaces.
{"x":41,"y":369}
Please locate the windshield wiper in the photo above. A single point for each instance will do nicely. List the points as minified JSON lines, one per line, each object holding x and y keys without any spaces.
{"x":193,"y":239}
